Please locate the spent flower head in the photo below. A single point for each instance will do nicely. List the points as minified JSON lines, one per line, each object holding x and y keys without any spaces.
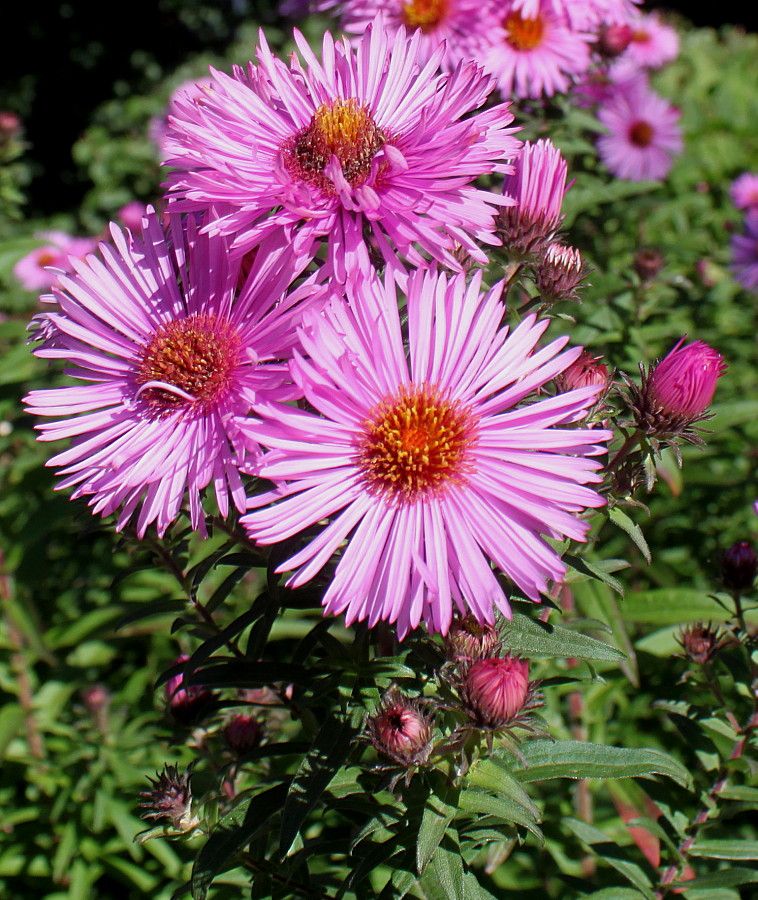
{"x":700,"y":642}
{"x":170,"y":797}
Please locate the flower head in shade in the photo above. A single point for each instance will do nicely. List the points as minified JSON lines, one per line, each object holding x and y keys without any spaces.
{"x":370,"y":140}
{"x":464,"y":25}
{"x":170,"y":797}
{"x":400,"y":730}
{"x":430,"y":465}
{"x":744,"y":191}
{"x":39,"y":269}
{"x":536,"y":53}
{"x":677,"y":391}
{"x":166,"y":357}
{"x":185,"y":703}
{"x":744,"y":246}
{"x":643,"y":133}
{"x":653,"y":43}
{"x":538,"y":185}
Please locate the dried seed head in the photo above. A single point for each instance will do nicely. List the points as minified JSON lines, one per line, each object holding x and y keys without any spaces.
{"x":170,"y":798}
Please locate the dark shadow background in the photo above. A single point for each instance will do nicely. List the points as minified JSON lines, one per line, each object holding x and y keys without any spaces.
{"x":63,"y":60}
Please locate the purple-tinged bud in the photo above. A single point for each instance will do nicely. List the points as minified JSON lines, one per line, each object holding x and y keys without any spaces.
{"x":700,"y":642}
{"x":96,"y":697}
{"x":185,"y":704}
{"x":243,"y":734}
{"x":559,"y":273}
{"x":738,"y":567}
{"x":683,"y":383}
{"x":170,"y":798}
{"x":10,"y":125}
{"x":495,"y":690}
{"x":613,"y":40}
{"x":648,"y":262}
{"x":400,"y":731}
{"x":468,"y":640}
{"x":583,"y":372}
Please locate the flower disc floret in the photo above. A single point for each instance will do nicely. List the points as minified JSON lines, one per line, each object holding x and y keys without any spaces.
{"x":424,"y":14}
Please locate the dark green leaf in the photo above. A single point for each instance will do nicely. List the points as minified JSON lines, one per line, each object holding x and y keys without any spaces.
{"x":731,"y":849}
{"x":439,"y":811}
{"x":540,"y":639}
{"x":620,"y":518}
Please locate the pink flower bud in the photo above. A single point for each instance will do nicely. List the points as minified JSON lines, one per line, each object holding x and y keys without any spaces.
{"x":683,"y":383}
{"x":559,"y":273}
{"x":400,"y":731}
{"x":738,"y":567}
{"x":584,"y":371}
{"x":613,"y":40}
{"x":185,"y":704}
{"x":496,"y":689}
{"x":468,"y":639}
{"x":242,"y":734}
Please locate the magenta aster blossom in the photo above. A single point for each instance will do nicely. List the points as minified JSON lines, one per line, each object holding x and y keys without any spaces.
{"x":429,"y":466}
{"x":744,"y":191}
{"x":167,"y":358}
{"x":536,"y":54}
{"x":744,"y":246}
{"x":582,"y":15}
{"x":653,"y":44}
{"x":368,"y":140}
{"x":463,"y":24}
{"x":643,"y":134}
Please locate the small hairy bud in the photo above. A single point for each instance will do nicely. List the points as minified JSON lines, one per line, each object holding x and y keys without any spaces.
{"x":738,"y":567}
{"x":700,"y":642}
{"x":185,"y":704}
{"x":400,"y":731}
{"x":468,"y":640}
{"x":559,"y":273}
{"x":495,"y":690}
{"x":242,"y":734}
{"x":170,"y":798}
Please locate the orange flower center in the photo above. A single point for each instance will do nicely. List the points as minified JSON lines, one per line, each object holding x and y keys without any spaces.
{"x":416,"y":442}
{"x":641,"y":134}
{"x":340,"y":128}
{"x":524,"y":34}
{"x":641,"y":37}
{"x":188,"y":362}
{"x":424,"y":14}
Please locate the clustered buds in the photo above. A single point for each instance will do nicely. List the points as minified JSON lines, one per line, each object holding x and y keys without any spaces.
{"x":559,"y":273}
{"x":700,"y":642}
{"x":677,"y":391}
{"x":400,"y":730}
{"x":170,"y":798}
{"x":738,"y":567}
{"x":185,"y":704}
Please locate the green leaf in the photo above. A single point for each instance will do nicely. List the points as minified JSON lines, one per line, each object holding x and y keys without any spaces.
{"x":11,"y":719}
{"x":611,"y":853}
{"x":580,"y":759}
{"x":508,"y":812}
{"x":493,"y":775}
{"x":328,"y":753}
{"x":232,"y":833}
{"x":444,"y":876}
{"x":583,"y":568}
{"x":744,"y":793}
{"x":439,"y":811}
{"x":614,"y":893}
{"x":674,"y":606}
{"x":731,"y":877}
{"x":541,"y":639}
{"x":620,"y":518}
{"x":731,"y":849}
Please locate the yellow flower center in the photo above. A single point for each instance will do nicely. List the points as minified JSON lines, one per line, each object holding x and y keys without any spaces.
{"x":423,"y":14}
{"x":524,"y":34}
{"x":188,"y":362}
{"x":341,"y":128}
{"x":416,"y":442}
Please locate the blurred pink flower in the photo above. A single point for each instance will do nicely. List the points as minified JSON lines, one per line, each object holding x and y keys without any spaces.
{"x":744,"y":191}
{"x":744,"y":265}
{"x":644,"y":133}
{"x":131,"y":215}
{"x":653,"y":43}
{"x":39,"y":269}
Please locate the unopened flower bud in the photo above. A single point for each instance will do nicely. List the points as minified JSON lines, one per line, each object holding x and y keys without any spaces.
{"x":185,"y":704}
{"x":170,"y":798}
{"x":10,"y":125}
{"x":96,"y":697}
{"x":738,"y":567}
{"x":559,"y":273}
{"x":700,"y":642}
{"x":400,"y":731}
{"x":613,"y":40}
{"x":683,"y":383}
{"x":495,"y":690}
{"x":648,"y":262}
{"x":242,"y":734}
{"x":468,"y":639}
{"x":584,"y":371}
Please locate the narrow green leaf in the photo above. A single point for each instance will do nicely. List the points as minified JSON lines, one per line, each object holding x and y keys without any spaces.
{"x":583,"y":568}
{"x":744,"y":793}
{"x":611,"y":853}
{"x":580,"y":759}
{"x":483,"y":804}
{"x":328,"y":753}
{"x":439,"y":811}
{"x":614,"y":893}
{"x":11,"y":719}
{"x":731,"y":877}
{"x":731,"y":849}
{"x":541,"y":639}
{"x":444,"y":876}
{"x":237,"y":674}
{"x":620,"y":518}
{"x":493,"y":775}
{"x":232,"y":833}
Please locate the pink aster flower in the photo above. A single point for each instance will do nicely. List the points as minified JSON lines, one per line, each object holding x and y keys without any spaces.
{"x":744,"y":246}
{"x":167,"y":358}
{"x":39,"y":269}
{"x":370,"y":139}
{"x":429,"y":465}
{"x":744,"y":191}
{"x":463,"y":24}
{"x":644,"y":134}
{"x":536,"y":54}
{"x":653,"y":44}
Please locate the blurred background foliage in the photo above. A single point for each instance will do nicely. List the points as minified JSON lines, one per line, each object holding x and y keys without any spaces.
{"x":86,"y":627}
